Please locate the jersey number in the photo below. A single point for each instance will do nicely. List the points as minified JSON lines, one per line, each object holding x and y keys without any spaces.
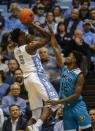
{"x":21,"y":59}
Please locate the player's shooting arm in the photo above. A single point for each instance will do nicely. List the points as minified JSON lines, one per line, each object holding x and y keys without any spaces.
{"x":55,"y":47}
{"x":75,"y":95}
{"x":34,"y":45}
{"x":40,"y":29}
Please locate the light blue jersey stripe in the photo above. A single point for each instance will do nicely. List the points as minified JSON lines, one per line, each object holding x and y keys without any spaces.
{"x":40,"y":71}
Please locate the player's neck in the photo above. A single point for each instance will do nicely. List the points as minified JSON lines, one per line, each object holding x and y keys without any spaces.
{"x":72,"y":67}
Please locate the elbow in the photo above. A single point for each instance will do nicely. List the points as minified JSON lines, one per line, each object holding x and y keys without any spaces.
{"x":76,"y":95}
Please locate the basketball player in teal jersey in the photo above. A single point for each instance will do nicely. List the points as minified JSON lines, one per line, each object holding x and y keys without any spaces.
{"x":75,"y":115}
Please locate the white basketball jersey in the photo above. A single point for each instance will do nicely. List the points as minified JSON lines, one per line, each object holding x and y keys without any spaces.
{"x":28,"y":63}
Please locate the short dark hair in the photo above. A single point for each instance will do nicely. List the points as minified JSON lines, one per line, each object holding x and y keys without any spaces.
{"x":12,"y":106}
{"x":79,"y":57}
{"x":15,"y":34}
{"x":14,"y":60}
{"x":60,"y":23}
{"x":83,"y":1}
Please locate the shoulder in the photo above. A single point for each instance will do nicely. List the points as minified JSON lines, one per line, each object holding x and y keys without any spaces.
{"x":22,"y":119}
{"x":22,"y":122}
{"x":21,"y":99}
{"x":77,"y":71}
{"x":7,"y":98}
{"x":6,"y":85}
{"x":64,"y":68}
{"x":7,"y":121}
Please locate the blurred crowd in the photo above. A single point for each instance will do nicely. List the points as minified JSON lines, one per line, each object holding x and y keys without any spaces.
{"x":74,"y":28}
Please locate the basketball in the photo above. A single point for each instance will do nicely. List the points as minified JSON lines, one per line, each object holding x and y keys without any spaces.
{"x":26,"y":16}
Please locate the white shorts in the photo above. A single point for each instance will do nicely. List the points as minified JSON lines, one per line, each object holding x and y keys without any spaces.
{"x":39,"y":90}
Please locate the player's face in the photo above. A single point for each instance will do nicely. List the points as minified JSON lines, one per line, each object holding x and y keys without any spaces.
{"x":70,"y":59}
{"x":22,"y":39}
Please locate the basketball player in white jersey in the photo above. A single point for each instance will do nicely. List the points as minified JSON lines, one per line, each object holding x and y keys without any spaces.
{"x":38,"y":87}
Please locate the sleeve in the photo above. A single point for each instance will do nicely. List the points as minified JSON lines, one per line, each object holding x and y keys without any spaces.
{"x":62,"y":69}
{"x":5,"y":105}
{"x":23,"y":107}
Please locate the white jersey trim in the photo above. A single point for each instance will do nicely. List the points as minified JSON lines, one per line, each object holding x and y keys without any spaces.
{"x":85,"y":127}
{"x":77,"y":71}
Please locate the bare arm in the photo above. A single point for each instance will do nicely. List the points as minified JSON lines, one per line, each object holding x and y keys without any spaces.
{"x":75,"y":95}
{"x":55,"y":47}
{"x":34,"y":45}
{"x":40,"y":29}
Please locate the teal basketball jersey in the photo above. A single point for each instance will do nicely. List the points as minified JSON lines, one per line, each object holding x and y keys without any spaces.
{"x":68,"y":83}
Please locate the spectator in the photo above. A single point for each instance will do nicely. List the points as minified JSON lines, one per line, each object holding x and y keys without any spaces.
{"x":14,"y":98}
{"x":1,"y":119}
{"x":13,"y":21}
{"x":93,"y":14}
{"x":64,"y":40}
{"x":58,"y":15}
{"x":4,"y":87}
{"x":92,"y":116}
{"x":34,"y":6}
{"x":13,"y":65}
{"x":15,"y":122}
{"x":88,"y":36}
{"x":3,"y":66}
{"x":7,"y":47}
{"x":84,"y":11}
{"x":72,"y":23}
{"x":5,"y":39}
{"x":78,"y":44}
{"x":40,"y":16}
{"x":51,"y":21}
{"x":19,"y":78}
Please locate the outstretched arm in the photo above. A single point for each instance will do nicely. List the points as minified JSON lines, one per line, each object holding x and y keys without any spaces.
{"x":55,"y":47}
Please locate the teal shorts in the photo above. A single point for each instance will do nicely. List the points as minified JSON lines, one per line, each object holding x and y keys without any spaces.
{"x":76,"y":117}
